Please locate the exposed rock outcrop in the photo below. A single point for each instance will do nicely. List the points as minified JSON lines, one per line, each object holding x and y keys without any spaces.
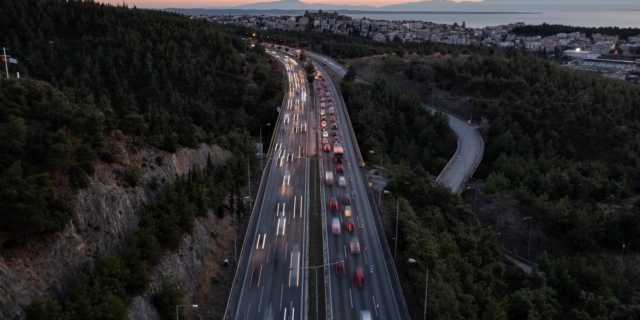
{"x":106,"y":215}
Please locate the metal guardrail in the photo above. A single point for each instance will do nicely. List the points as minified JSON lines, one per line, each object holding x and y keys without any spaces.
{"x":252,"y":219}
{"x":389,"y":262}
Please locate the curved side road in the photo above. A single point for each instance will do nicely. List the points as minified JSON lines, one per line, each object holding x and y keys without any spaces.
{"x":470,"y":144}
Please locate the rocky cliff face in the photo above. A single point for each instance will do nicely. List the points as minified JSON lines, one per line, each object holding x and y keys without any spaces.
{"x":106,"y":215}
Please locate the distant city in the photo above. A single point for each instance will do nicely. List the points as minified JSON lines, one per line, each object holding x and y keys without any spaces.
{"x":605,"y":54}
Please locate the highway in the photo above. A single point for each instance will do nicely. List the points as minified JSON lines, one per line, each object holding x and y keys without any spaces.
{"x":378,"y":294}
{"x":269,"y":281}
{"x":470,"y":144}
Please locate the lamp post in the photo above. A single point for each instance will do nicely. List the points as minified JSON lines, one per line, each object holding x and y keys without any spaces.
{"x":262,"y":147}
{"x":426,"y":287}
{"x":529,"y":250}
{"x":395,"y":247}
{"x":622,"y":256}
{"x":380,"y":175}
{"x":474,"y":199}
{"x":316,"y":268}
{"x":184,"y":306}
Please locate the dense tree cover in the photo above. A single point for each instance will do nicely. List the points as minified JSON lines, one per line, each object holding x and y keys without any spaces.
{"x":566,"y":144}
{"x":566,"y":141}
{"x":396,"y":124}
{"x":343,"y":47}
{"x":102,"y":290}
{"x":467,"y":276}
{"x":161,"y":78}
{"x":546,"y":29}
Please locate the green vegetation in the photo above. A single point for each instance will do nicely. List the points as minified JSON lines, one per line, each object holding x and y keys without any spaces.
{"x":164,"y":80}
{"x":566,"y":144}
{"x":104,"y":290}
{"x":395,"y":124}
{"x":546,"y":29}
{"x":169,"y":296}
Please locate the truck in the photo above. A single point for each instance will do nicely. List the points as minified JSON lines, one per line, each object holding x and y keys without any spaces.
{"x":338,"y":153}
{"x":332,"y":111}
{"x":328,"y":177}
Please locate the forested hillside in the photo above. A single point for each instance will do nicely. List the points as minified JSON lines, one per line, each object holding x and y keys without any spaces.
{"x":564,"y":142}
{"x":158,"y":78}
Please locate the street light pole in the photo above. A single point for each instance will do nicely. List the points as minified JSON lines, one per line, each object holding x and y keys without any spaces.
{"x":261,"y":146}
{"x":395,"y":249}
{"x":529,"y":250}
{"x":426,"y":287}
{"x":622,"y":256}
{"x":184,"y":306}
{"x":316,"y":268}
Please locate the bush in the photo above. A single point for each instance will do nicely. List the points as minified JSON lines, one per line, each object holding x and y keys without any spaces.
{"x":133,"y":176}
{"x":78,"y":179}
{"x":44,"y":309}
{"x":166,"y":299}
{"x":154,"y":183}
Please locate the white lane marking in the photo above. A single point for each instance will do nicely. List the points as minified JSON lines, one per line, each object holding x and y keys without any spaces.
{"x":350,"y":298}
{"x":374,"y":305}
{"x":281,"y":290}
{"x":294,"y":205}
{"x":300,"y":206}
{"x":260,"y":305}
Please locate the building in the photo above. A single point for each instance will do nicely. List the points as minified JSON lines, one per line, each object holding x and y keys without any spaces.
{"x":581,"y":54}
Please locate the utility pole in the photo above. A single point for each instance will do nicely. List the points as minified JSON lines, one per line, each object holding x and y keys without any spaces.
{"x":249,"y":179}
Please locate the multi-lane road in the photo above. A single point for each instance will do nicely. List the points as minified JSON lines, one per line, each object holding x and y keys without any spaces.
{"x":470,"y":143}
{"x":269,"y":282}
{"x":357,"y":244}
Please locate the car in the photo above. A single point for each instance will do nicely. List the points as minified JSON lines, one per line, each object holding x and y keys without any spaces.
{"x":319,"y":88}
{"x":262,"y":237}
{"x":340,"y":266}
{"x":323,"y":119}
{"x":321,"y":99}
{"x":328,"y":94}
{"x":336,"y":139}
{"x":282,"y":224}
{"x":339,"y":168}
{"x":322,"y":112}
{"x":326,"y":148}
{"x":330,"y":99}
{"x":365,"y":315}
{"x":325,"y":134}
{"x":342,"y":182}
{"x":335,"y":226}
{"x":346,"y":199}
{"x":347,"y":211}
{"x":323,"y":124}
{"x":280,"y":207}
{"x":286,"y":118}
{"x":332,"y":119}
{"x":324,"y":85}
{"x":325,"y":140}
{"x":287,"y":179}
{"x":358,"y":277}
{"x":333,"y":204}
{"x":334,"y":133}
{"x":322,"y":105}
{"x":349,"y":224}
{"x":334,"y":126}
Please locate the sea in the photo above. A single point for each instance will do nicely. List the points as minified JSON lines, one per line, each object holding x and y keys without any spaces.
{"x":622,"y":19}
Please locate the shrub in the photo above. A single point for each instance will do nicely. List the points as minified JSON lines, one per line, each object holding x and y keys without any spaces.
{"x":132,"y":175}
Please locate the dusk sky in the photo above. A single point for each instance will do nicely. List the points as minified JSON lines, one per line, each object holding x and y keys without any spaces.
{"x":497,"y":5}
{"x":224,"y":3}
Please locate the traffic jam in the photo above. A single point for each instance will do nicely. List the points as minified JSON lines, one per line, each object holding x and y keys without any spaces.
{"x":340,"y":216}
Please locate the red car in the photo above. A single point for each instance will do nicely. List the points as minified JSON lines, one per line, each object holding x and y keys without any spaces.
{"x":339,"y":168}
{"x":334,"y":126}
{"x":346,"y":200}
{"x":332,"y":119}
{"x":333,"y":204}
{"x":354,"y":244}
{"x":330,"y":99}
{"x":358,"y":277}
{"x":334,"y":133}
{"x":326,"y":148}
{"x":340,"y":266}
{"x":349,"y":224}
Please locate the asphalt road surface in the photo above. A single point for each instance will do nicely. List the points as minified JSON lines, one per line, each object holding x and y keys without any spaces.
{"x":347,"y":298}
{"x":270,"y":282}
{"x":470,"y":144}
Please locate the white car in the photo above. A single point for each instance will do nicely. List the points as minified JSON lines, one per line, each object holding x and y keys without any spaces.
{"x":286,"y":118}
